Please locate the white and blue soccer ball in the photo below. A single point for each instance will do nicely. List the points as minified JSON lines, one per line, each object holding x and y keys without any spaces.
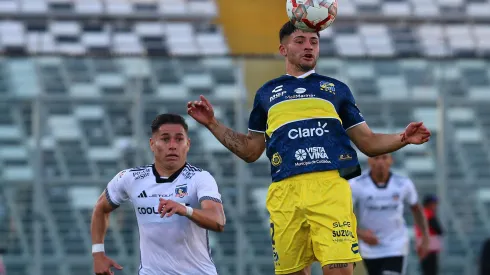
{"x":311,"y":15}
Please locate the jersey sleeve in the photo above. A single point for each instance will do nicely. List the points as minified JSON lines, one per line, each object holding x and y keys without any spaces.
{"x":115,"y":191}
{"x":258,"y":117}
{"x":207,"y":188}
{"x":412,"y":197}
{"x":349,"y":112}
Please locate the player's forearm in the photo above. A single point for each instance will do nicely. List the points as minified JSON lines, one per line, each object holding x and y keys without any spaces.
{"x":237,"y":143}
{"x":208,"y":219}
{"x":379,"y":144}
{"x":421,"y":221}
{"x":99,"y":225}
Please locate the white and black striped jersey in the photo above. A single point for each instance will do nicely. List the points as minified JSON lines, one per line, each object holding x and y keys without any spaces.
{"x":380,"y":209}
{"x":174,"y":245}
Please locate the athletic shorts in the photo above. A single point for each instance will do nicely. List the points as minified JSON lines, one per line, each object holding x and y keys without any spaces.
{"x":386,"y":266}
{"x":312,"y":219}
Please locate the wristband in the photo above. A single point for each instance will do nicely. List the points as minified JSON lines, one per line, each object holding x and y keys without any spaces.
{"x":189,"y":211}
{"x":96,"y":248}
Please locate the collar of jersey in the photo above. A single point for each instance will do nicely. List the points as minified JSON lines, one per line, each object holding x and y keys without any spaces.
{"x":159,"y":178}
{"x":304,"y":75}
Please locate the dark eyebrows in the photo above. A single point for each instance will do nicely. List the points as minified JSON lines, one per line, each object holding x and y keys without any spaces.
{"x":167,"y":134}
{"x":304,"y":37}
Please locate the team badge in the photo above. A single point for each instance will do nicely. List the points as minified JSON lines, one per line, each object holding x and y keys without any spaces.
{"x":276,"y":159}
{"x":396,"y":196}
{"x":327,"y":87}
{"x":181,"y":191}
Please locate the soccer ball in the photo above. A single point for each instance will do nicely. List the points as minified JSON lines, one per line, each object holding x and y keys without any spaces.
{"x":311,"y":15}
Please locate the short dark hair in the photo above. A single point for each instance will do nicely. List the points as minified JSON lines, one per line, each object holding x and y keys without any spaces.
{"x":287,"y":29}
{"x":162,"y":119}
{"x":429,"y":198}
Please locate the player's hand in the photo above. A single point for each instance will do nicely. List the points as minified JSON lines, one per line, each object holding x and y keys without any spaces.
{"x":368,"y":236}
{"x":416,"y":133}
{"x":423,"y":248}
{"x":103,"y":264}
{"x":201,"y":110}
{"x":169,"y":207}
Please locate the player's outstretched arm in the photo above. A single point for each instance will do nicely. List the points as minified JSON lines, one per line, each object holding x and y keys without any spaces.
{"x":248,"y":147}
{"x":211,"y":215}
{"x":375,"y":144}
{"x":99,"y":226}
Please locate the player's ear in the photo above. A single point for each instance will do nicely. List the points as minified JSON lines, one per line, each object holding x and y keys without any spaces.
{"x":152,"y":142}
{"x":282,"y":50}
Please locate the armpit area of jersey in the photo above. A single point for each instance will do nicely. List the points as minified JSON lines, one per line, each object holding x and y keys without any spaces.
{"x":350,"y":172}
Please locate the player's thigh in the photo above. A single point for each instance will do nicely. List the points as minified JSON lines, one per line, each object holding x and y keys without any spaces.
{"x":393,"y":265}
{"x":332,"y":222}
{"x":290,"y":237}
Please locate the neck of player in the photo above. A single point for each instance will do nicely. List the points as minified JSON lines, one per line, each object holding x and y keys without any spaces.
{"x":380,"y":176}
{"x":166,"y":169}
{"x":295,"y":70}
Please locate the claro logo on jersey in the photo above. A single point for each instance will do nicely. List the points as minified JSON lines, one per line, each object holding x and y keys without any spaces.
{"x":308,"y":132}
{"x":311,"y":155}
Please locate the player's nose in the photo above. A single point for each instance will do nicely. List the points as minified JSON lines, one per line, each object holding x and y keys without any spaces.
{"x":308,"y":46}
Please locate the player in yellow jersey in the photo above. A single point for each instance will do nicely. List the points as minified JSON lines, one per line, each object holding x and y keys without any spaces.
{"x":307,"y":121}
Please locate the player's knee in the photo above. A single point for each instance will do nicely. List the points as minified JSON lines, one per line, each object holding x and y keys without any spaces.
{"x":338,"y":269}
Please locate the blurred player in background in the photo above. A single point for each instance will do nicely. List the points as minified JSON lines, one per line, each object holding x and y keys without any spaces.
{"x":379,"y":196}
{"x":307,"y":120}
{"x":430,"y":263}
{"x":166,"y":196}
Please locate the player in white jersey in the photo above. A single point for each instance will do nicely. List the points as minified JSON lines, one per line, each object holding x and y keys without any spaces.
{"x":379,"y":197}
{"x":175,"y":204}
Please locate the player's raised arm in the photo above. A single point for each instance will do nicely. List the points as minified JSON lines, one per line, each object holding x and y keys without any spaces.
{"x":248,"y":147}
{"x":375,"y":144}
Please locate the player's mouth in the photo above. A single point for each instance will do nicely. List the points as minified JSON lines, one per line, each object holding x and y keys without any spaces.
{"x":172,"y":156}
{"x":308,"y":57}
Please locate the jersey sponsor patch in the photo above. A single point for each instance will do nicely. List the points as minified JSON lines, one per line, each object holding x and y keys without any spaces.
{"x":141,"y":174}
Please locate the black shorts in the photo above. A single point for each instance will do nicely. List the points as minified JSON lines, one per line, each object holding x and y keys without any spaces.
{"x":386,"y":266}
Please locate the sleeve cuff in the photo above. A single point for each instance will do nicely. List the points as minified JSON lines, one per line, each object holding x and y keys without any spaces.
{"x":209,"y":198}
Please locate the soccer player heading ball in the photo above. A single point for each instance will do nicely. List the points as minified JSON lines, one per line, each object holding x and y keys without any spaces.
{"x":306,"y":121}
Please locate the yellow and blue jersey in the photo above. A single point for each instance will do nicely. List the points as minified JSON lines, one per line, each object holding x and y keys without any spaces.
{"x":305,"y":121}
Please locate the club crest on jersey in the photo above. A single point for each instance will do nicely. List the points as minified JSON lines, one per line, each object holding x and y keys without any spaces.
{"x":181,"y":191}
{"x":396,"y":196}
{"x":327,"y":87}
{"x":276,"y":159}
{"x":345,"y":157}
